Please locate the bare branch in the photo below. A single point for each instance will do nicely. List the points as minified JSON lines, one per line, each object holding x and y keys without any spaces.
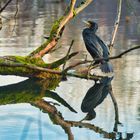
{"x":68,"y":53}
{"x":82,"y":6}
{"x":97,"y":59}
{"x":6,"y":4}
{"x":116,"y":25}
{"x":119,"y":55}
{"x":15,"y":16}
{"x":67,"y":17}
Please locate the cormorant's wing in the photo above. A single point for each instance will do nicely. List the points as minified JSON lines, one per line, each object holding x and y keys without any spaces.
{"x":92,"y":44}
{"x":105,"y":48}
{"x":92,"y":97}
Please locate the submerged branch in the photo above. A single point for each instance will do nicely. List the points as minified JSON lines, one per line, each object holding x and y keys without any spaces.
{"x":55,"y":116}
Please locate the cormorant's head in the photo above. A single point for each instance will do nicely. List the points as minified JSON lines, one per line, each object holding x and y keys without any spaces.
{"x":92,"y":25}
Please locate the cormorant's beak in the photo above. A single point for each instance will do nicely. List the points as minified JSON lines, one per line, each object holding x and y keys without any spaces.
{"x":87,"y":23}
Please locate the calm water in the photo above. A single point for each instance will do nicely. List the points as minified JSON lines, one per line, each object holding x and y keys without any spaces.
{"x":21,"y":121}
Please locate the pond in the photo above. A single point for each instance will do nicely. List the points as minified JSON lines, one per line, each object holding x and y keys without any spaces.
{"x":22,"y":120}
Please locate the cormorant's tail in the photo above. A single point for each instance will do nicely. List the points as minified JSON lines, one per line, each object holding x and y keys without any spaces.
{"x":106,"y":67}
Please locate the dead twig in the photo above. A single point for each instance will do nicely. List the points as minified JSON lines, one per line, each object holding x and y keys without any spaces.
{"x":68,"y":53}
{"x":119,"y":55}
{"x":116,"y":25}
{"x":98,"y":59}
{"x":6,"y":4}
{"x":15,"y":16}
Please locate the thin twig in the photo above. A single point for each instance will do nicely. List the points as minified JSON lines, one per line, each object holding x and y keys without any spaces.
{"x":116,"y":25}
{"x":68,"y":54}
{"x":119,"y":55}
{"x":6,"y":4}
{"x":15,"y":16}
{"x":98,"y":59}
{"x":115,"y":108}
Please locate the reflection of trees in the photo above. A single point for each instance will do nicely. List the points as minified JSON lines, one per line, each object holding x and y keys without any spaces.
{"x":95,"y":96}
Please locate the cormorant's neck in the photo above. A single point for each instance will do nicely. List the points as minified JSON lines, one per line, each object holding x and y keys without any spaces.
{"x":94,"y":29}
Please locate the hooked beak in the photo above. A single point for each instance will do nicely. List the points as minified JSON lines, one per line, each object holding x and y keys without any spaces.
{"x":86,"y":22}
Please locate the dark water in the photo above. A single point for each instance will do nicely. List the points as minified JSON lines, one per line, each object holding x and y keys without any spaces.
{"x":20,"y":120}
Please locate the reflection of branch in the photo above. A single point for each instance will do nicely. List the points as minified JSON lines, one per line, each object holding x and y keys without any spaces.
{"x":116,"y":109}
{"x":116,"y":25}
{"x":58,"y":119}
{"x":6,"y":4}
{"x":55,"y":116}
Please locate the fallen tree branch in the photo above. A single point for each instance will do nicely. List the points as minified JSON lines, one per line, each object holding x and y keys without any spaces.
{"x":116,"y":25}
{"x":66,"y":70}
{"x":41,"y":69}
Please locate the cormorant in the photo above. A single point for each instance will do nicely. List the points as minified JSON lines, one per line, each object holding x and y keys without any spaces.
{"x":95,"y":96}
{"x":96,"y":47}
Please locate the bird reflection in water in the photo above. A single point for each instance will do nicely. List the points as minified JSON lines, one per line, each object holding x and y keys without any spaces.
{"x":95,"y":96}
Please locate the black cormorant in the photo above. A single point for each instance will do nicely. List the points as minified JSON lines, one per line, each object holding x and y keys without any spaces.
{"x":95,"y":96}
{"x":96,"y":47}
